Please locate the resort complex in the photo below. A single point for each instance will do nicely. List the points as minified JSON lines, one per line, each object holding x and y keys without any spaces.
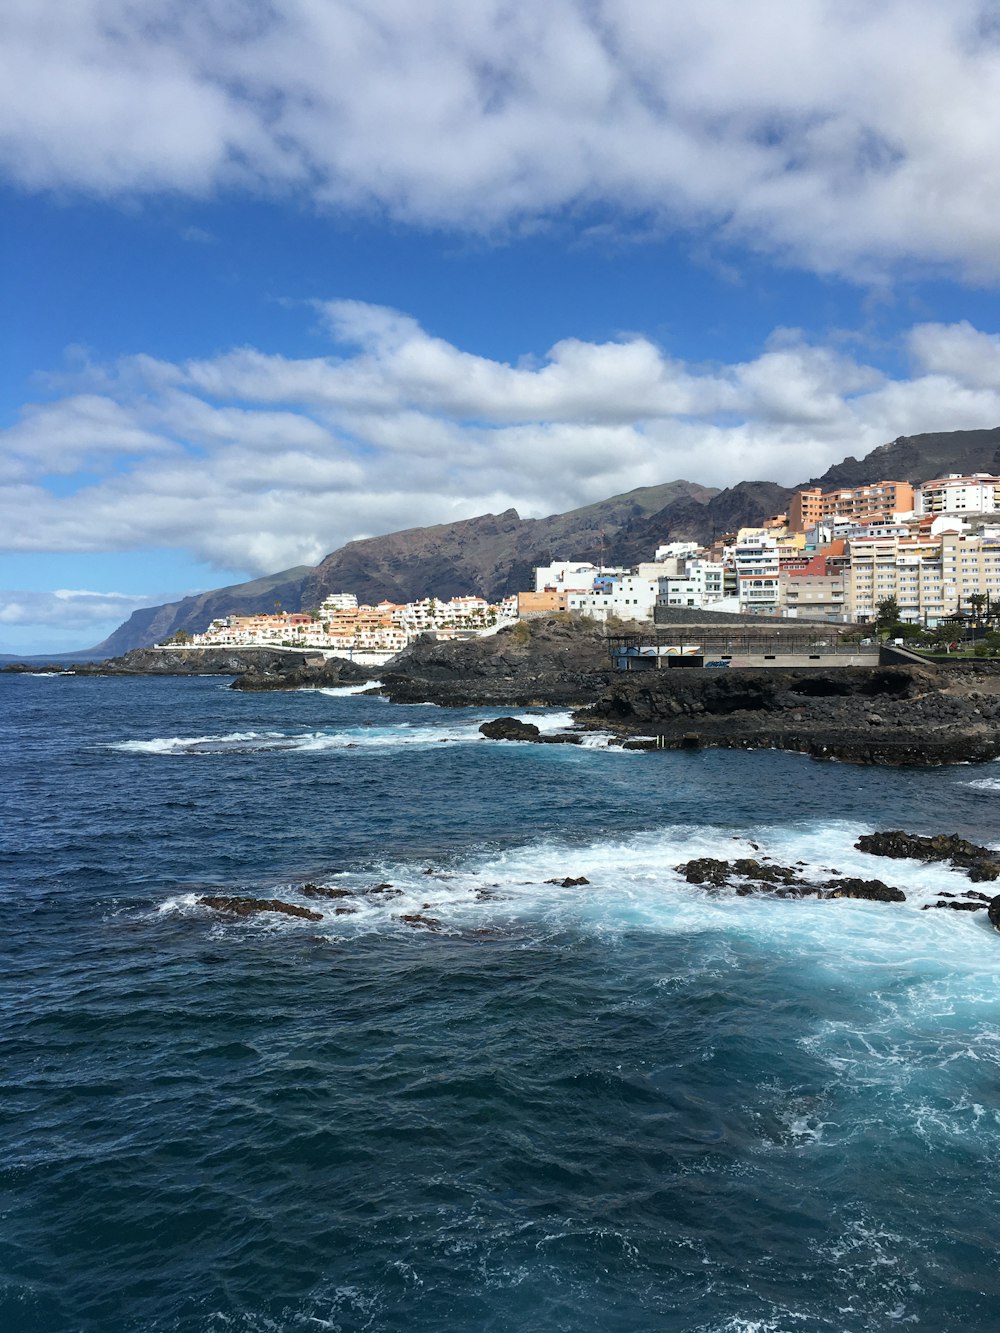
{"x":835,"y":556}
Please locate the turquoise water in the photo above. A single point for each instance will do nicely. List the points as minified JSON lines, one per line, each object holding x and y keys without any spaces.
{"x":616,"y":1107}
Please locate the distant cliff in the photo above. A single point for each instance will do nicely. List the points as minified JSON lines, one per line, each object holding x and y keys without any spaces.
{"x":495,"y":554}
{"x":153,"y":624}
{"x":916,"y":458}
{"x":491,"y":555}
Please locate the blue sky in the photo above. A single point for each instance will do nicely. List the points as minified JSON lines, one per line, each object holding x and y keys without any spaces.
{"x":279,"y":277}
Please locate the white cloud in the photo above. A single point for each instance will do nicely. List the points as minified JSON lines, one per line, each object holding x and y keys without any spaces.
{"x":70,"y":609}
{"x":64,"y":436}
{"x":842,"y":136}
{"x":263,"y":462}
{"x":958,"y":351}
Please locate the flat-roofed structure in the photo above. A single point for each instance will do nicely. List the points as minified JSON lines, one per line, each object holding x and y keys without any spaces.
{"x":874,"y":502}
{"x":720,"y":647}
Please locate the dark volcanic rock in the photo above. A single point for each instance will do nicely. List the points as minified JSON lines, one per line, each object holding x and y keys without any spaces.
{"x":569,"y":882}
{"x":509,"y":729}
{"x":419,"y":921}
{"x":540,"y":662}
{"x":956,"y":906}
{"x":324,"y":891}
{"x":873,"y":890}
{"x":252,"y":906}
{"x":980,"y":862}
{"x":34,"y":669}
{"x":291,"y":672}
{"x":994,"y":912}
{"x":708,"y":870}
{"x":705,"y":870}
{"x":748,"y":876}
{"x":194,"y":662}
{"x":922,"y":716}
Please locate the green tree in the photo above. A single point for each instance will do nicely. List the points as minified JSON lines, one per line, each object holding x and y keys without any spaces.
{"x":181,"y":637}
{"x":978,"y":602}
{"x":886,"y":614}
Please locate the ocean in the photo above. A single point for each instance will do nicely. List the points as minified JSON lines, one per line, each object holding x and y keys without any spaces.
{"x":626,"y":1105}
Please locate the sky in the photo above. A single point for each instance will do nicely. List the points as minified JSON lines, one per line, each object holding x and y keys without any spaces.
{"x":276,"y":276}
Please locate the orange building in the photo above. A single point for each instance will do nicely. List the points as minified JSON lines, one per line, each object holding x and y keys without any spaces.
{"x":873,"y":503}
{"x":540,"y":603}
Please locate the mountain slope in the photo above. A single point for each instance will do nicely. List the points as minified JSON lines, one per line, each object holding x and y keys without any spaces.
{"x":495,"y":554}
{"x":918,"y":458}
{"x":153,"y":624}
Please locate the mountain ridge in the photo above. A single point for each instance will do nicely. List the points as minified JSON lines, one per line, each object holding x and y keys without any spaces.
{"x":495,"y":554}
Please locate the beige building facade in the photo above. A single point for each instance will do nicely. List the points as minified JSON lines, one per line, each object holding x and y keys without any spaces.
{"x":930,"y":579}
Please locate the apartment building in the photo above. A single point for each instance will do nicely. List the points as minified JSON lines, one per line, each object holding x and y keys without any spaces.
{"x":930,"y":578}
{"x":816,"y":588}
{"x":530,"y":604}
{"x":629,"y":597}
{"x":978,"y":493}
{"x":757,"y":564}
{"x":876,"y":502}
{"x":337,"y":601}
{"x":698,"y":584}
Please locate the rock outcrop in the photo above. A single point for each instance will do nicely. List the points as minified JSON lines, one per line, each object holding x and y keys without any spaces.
{"x":872,"y":715}
{"x":550,"y":661}
{"x":181,"y":661}
{"x":235,"y":906}
{"x":510,"y":729}
{"x":296,"y":675}
{"x":980,"y":863}
{"x":871,"y":890}
{"x":747,"y":875}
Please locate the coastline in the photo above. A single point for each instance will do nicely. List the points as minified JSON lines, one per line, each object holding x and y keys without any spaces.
{"x":894,"y":715}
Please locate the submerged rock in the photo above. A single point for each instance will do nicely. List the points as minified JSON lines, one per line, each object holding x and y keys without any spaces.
{"x":418,"y":920}
{"x":235,"y":906}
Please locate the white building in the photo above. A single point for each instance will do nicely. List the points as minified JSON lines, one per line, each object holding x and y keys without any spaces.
{"x":978,"y":493}
{"x":757,"y":573}
{"x":675,"y":551}
{"x":338,"y":601}
{"x":572,"y":575}
{"x":629,"y":597}
{"x":566,"y":576}
{"x":698,"y":584}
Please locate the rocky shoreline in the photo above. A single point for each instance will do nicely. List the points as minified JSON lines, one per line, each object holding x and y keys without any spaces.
{"x":891,"y":715}
{"x":867,"y":715}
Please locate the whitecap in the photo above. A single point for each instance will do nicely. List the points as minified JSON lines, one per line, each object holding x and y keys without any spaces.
{"x":343,"y":691}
